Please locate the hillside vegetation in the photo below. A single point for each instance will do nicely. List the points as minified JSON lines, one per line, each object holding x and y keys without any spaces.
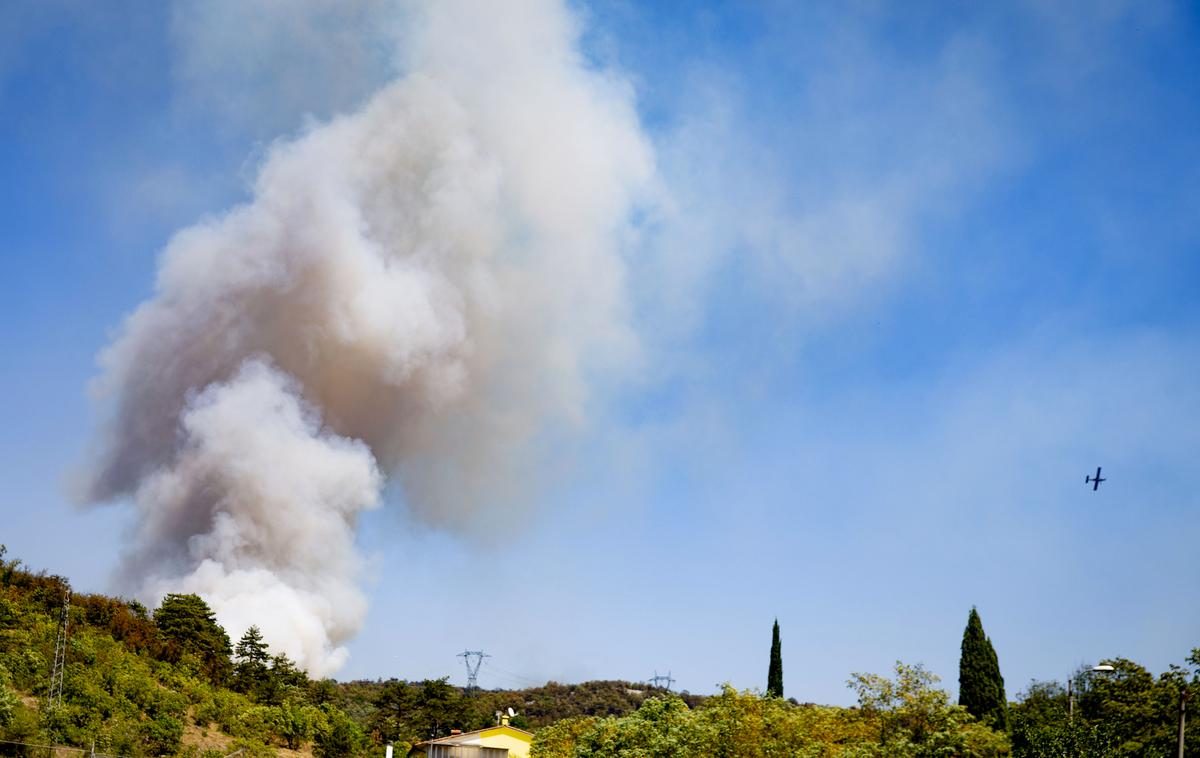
{"x":170,"y":682}
{"x":138,"y":684}
{"x":898,"y":718}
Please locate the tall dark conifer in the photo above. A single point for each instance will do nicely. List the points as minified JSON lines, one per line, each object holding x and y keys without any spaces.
{"x":980,"y":685}
{"x":252,"y":658}
{"x":775,"y":670}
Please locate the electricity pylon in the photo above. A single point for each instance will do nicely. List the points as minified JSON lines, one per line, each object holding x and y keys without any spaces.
{"x":654,"y":680}
{"x":472,"y":659}
{"x":60,"y":650}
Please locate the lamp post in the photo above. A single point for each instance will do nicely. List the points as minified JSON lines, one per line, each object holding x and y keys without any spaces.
{"x":1184,"y":694}
{"x":1102,"y":668}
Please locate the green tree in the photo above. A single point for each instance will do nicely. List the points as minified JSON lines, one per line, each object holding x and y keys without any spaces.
{"x":162,"y":735}
{"x":251,"y":656}
{"x":294,"y":723}
{"x":661,"y":728}
{"x":410,"y":712}
{"x":188,"y":627}
{"x":559,"y":739}
{"x":1139,"y":711}
{"x":903,"y":718}
{"x":740,"y":725}
{"x":1042,"y":728}
{"x":340,"y":736}
{"x":915,"y":717}
{"x":395,"y":712}
{"x":980,"y":685}
{"x":1123,"y":713}
{"x":7,"y":568}
{"x":323,"y":691}
{"x":775,"y":669}
{"x":284,"y":681}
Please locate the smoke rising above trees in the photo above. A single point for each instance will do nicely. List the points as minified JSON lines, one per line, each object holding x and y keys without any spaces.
{"x":416,"y":292}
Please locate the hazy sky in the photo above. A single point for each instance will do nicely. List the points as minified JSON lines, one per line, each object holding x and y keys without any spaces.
{"x":907,"y":273}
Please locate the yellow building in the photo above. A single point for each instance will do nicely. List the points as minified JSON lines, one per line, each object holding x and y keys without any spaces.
{"x":502,"y":741}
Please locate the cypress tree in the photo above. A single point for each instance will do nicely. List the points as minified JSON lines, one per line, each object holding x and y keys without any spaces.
{"x":980,"y":685}
{"x":775,"y":670}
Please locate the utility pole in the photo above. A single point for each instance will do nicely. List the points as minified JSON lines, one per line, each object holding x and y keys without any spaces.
{"x":1184,"y":694}
{"x":1100,"y":668}
{"x":472,"y":659}
{"x":60,"y":649}
{"x":656,"y":679}
{"x":1070,"y":702}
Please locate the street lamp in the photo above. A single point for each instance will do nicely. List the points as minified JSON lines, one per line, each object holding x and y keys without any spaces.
{"x":1184,"y":695}
{"x":1102,"y":668}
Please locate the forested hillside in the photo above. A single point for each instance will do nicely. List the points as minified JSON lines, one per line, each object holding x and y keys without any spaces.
{"x":171,"y":682}
{"x":143,"y":683}
{"x":140,"y":684}
{"x":386,"y":706}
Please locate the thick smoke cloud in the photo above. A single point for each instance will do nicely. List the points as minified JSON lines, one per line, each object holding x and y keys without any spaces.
{"x":417,"y":290}
{"x":257,"y":509}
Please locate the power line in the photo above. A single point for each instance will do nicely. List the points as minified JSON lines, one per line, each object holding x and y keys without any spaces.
{"x":506,"y":682}
{"x":493,"y":667}
{"x":512,"y":675}
{"x":503,"y":679}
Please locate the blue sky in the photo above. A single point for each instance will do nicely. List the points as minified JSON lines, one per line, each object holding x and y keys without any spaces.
{"x":925,"y":267}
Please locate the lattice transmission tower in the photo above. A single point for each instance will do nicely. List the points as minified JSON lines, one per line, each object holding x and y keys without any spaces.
{"x":60,"y":649}
{"x":664,"y":681}
{"x":472,"y":659}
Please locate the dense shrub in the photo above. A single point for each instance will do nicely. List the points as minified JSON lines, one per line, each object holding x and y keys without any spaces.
{"x":338,"y":736}
{"x":902,"y":718}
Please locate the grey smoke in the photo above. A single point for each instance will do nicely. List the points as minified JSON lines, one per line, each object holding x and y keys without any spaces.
{"x":415,"y":291}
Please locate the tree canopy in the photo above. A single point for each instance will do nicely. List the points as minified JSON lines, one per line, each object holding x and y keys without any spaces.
{"x":251,"y":662}
{"x":188,"y":626}
{"x":1125,"y":713}
{"x":906,"y":717}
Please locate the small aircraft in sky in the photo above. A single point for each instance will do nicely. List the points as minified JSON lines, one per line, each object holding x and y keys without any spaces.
{"x":1096,"y":479}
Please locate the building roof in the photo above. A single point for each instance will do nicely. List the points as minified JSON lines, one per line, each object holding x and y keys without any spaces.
{"x":466,"y":737}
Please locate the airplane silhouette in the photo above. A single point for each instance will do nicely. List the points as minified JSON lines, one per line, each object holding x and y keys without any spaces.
{"x":1096,"y":479}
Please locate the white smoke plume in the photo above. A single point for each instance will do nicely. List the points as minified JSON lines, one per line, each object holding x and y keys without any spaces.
{"x":415,"y":291}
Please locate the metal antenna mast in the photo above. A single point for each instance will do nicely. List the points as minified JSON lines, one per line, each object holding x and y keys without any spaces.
{"x":654,"y":680}
{"x":472,"y":659}
{"x":60,"y":649}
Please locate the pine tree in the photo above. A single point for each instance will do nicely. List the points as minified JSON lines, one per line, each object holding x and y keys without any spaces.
{"x":283,"y":678}
{"x":252,"y":655}
{"x":980,"y":685}
{"x":187,"y":626}
{"x":775,"y":671}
